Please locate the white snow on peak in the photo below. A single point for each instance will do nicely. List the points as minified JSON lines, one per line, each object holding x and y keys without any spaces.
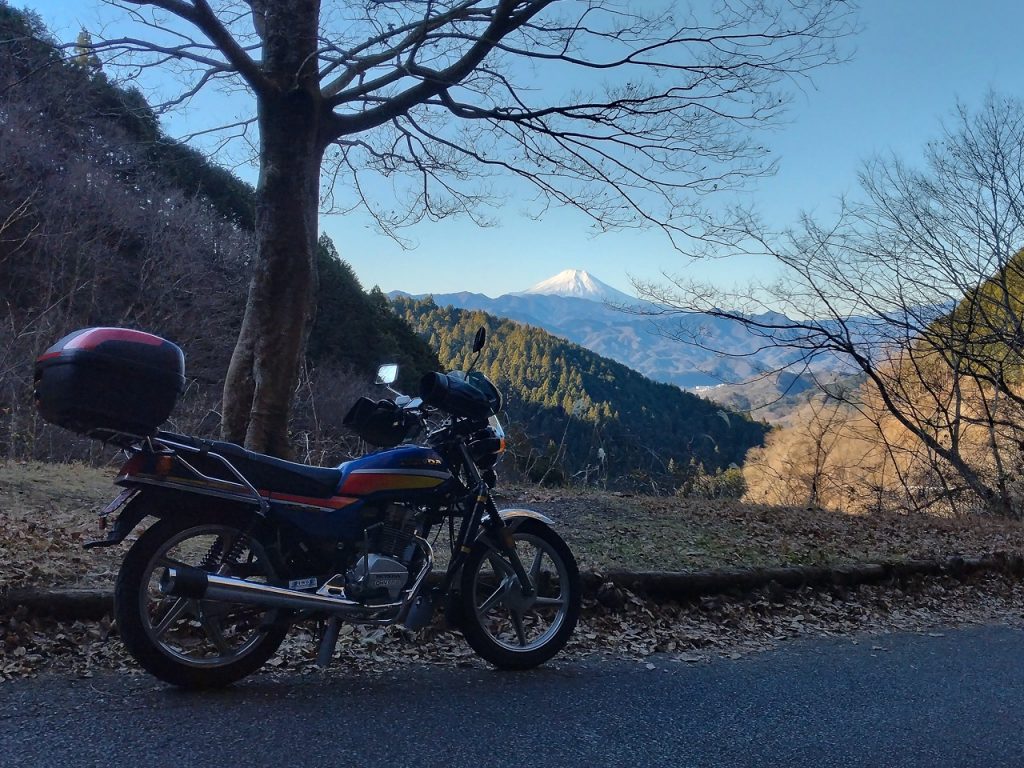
{"x":579,"y":284}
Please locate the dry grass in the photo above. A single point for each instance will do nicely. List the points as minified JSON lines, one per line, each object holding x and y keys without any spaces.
{"x":650,"y":533}
{"x":48,"y":510}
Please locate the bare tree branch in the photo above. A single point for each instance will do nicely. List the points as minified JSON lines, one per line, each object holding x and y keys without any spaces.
{"x":919,"y":287}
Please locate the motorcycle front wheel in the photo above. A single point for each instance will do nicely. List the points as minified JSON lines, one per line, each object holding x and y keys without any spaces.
{"x":505,"y":626}
{"x":187,"y":642}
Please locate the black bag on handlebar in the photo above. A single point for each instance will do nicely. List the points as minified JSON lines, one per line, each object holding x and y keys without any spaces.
{"x":379,"y":422}
{"x":456,"y":396}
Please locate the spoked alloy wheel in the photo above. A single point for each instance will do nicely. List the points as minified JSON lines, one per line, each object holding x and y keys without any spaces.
{"x":508,"y":628}
{"x":188,"y":642}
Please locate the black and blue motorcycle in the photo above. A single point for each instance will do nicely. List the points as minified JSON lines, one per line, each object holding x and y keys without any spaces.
{"x":243,"y":545}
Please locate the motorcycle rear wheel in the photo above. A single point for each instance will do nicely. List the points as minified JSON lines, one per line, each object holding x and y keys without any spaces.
{"x":505,"y":627}
{"x":195,"y":643}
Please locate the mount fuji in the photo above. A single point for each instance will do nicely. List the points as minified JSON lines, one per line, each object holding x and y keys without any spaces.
{"x":577,"y":306}
{"x":578,"y":284}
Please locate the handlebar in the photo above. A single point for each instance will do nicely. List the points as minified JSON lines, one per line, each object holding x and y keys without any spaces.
{"x":407,"y":403}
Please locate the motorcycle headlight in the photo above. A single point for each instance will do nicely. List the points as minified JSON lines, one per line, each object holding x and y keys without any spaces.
{"x":498,"y":431}
{"x":486,"y":445}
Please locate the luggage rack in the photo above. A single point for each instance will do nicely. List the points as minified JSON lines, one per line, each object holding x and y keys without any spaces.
{"x":154,"y":443}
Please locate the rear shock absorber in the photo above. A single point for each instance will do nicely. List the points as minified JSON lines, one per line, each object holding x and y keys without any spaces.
{"x":212,"y":554}
{"x":237,"y":547}
{"x":216,"y":556}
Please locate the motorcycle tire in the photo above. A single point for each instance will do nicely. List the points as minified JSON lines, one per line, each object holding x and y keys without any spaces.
{"x":506,"y":628}
{"x":171,"y":647}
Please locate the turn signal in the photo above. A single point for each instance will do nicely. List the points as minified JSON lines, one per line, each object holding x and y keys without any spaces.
{"x":134,"y":466}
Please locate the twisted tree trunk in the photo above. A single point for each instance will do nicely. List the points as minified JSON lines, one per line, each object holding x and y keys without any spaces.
{"x":264,"y":367}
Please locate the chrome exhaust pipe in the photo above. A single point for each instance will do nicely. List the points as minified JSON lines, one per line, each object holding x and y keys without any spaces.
{"x":199,"y":585}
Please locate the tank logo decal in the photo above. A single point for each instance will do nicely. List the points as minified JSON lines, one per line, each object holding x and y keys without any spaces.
{"x":430,"y":461}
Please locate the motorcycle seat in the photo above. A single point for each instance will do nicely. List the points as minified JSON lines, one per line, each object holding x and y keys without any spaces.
{"x":267,"y":473}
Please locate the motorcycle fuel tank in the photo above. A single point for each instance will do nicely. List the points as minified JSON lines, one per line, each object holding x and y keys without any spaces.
{"x":409,"y":473}
{"x":406,"y":469}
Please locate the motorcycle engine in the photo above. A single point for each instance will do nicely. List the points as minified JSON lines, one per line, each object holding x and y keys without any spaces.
{"x":381,"y":573}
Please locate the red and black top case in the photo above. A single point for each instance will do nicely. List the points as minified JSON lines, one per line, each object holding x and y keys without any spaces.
{"x":103,"y":382}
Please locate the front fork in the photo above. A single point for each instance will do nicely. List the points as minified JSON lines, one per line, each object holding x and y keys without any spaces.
{"x":485,"y":514}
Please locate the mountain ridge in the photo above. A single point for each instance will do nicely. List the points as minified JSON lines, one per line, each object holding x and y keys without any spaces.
{"x":644,"y":342}
{"x":575,"y":413}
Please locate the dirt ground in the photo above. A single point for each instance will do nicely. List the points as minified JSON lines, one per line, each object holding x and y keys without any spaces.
{"x":47,"y":511}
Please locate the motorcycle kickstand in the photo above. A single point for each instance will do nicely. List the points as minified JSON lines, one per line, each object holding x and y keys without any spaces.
{"x":327,"y":643}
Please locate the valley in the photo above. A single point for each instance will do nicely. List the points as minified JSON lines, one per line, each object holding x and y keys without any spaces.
{"x":690,"y":351}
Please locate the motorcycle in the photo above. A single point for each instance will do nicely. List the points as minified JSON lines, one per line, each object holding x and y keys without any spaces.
{"x":244,"y":545}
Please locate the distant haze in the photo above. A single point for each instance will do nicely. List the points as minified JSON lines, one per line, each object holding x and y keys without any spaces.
{"x":577,"y":306}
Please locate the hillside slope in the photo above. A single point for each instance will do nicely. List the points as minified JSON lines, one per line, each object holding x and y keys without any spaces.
{"x":569,"y":407}
{"x":105,"y":220}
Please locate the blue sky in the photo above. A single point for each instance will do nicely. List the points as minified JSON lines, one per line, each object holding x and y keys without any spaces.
{"x":911,"y":62}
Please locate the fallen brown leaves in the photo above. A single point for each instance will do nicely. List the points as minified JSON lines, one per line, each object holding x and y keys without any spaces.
{"x":47,"y":511}
{"x":30,"y":644}
{"x":717,"y":626}
{"x":693,"y":632}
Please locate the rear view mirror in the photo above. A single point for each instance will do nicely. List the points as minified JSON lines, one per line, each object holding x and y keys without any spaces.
{"x":387,"y":374}
{"x":479,"y":339}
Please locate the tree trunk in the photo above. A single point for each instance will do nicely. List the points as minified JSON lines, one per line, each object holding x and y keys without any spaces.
{"x":264,"y":366}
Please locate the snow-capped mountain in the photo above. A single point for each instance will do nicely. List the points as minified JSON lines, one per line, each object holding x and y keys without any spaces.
{"x":577,"y":306}
{"x":580,"y":284}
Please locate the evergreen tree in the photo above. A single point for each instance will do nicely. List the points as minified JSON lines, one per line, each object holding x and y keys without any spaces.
{"x":568,"y":402}
{"x":85,"y":56}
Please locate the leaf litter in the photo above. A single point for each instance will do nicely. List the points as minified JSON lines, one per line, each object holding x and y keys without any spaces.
{"x":688,"y":633}
{"x":47,"y":511}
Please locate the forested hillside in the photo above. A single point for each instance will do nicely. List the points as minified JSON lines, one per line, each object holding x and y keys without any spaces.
{"x":569,"y":407}
{"x":857,"y":446}
{"x":107,"y":221}
{"x":104,"y":220}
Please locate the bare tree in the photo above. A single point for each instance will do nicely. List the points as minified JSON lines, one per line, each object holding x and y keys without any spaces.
{"x":796,"y":466}
{"x":918,"y":285}
{"x":624,"y":110}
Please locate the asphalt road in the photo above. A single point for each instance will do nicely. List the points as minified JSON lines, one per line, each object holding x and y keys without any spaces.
{"x":954,"y":700}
